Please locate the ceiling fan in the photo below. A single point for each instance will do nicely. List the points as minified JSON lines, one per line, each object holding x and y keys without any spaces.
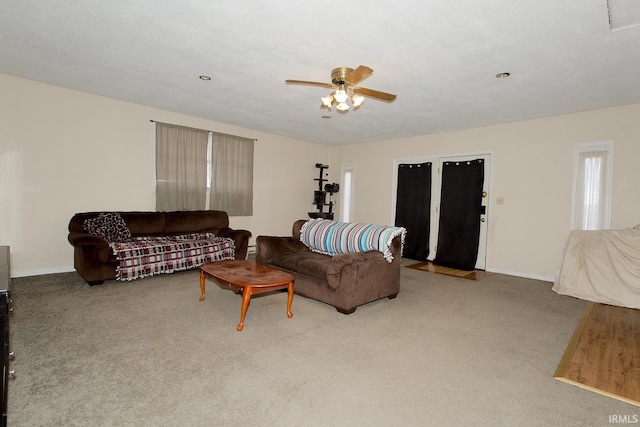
{"x":344,"y":81}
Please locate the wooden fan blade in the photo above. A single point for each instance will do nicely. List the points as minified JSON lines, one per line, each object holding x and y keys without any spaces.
{"x":375,"y":94}
{"x":303,"y":82}
{"x":358,"y":75}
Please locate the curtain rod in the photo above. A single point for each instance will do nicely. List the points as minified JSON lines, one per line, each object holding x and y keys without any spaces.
{"x":208,"y":130}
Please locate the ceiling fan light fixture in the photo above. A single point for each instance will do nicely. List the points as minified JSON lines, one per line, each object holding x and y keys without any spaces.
{"x":340,"y":95}
{"x":346,"y":93}
{"x":327,"y":100}
{"x":357,"y":100}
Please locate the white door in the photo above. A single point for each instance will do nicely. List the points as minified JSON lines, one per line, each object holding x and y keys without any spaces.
{"x":481,"y":261}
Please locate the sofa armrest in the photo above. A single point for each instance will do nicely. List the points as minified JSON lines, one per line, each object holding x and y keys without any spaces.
{"x":335,"y":264}
{"x":240,"y":239}
{"x":77,"y":238}
{"x":90,"y":246}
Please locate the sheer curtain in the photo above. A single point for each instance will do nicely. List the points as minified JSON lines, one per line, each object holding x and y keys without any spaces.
{"x":181,"y":167}
{"x":232,"y":174}
{"x":590,"y":191}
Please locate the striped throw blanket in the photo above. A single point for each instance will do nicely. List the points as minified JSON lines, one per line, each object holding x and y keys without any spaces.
{"x":146,"y":256}
{"x":332,"y":237}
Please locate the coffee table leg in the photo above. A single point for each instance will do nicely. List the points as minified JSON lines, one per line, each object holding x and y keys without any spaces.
{"x":202,"y":285}
{"x":289,"y":300}
{"x":246,"y":296}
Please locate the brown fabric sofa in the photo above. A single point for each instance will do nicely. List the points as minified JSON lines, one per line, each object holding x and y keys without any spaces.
{"x":94,"y":259}
{"x":344,"y":281}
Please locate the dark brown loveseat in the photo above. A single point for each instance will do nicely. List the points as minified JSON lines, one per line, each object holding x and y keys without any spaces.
{"x":344,"y":281}
{"x":94,"y":258}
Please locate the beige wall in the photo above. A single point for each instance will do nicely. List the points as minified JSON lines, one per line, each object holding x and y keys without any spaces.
{"x":532,"y":171}
{"x":63,"y":151}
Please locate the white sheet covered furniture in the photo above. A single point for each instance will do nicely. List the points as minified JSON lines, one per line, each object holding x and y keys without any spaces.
{"x":602,"y":266}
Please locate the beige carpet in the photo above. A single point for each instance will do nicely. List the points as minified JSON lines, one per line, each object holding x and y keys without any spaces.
{"x":148,"y":353}
{"x":604,"y":353}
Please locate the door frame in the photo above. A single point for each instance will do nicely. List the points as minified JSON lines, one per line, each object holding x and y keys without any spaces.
{"x":436,"y":183}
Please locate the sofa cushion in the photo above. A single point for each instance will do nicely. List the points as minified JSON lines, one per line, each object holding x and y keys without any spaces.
{"x":314,"y":264}
{"x":108,"y":225}
{"x":190,"y":221}
{"x":288,"y":259}
{"x":144,"y":223}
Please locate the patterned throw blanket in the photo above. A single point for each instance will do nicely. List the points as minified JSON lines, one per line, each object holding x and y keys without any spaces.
{"x":332,"y":237}
{"x":146,"y":256}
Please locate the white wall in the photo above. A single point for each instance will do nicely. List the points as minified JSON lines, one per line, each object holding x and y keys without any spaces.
{"x":63,"y":151}
{"x":532,"y":172}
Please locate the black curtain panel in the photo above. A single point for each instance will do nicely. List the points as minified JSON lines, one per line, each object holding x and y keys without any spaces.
{"x":413,"y":208}
{"x":460,"y":210}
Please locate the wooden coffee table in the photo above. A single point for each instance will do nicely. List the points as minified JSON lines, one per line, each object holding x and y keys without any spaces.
{"x":250,"y":279}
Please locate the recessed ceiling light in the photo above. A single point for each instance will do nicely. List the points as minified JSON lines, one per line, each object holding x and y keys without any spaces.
{"x":205,"y":78}
{"x":502,"y":75}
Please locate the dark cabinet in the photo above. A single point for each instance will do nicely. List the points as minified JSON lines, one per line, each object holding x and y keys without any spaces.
{"x":5,"y":300}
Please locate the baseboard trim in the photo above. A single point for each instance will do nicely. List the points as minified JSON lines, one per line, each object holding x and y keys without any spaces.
{"x":524,"y":275}
{"x":42,"y":271}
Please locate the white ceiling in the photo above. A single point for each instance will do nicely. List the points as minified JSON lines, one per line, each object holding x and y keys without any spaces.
{"x":440,"y":58}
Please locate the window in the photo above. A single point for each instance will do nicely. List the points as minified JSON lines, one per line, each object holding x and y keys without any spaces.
{"x":181,"y":174}
{"x":346,"y":198}
{"x":593,"y":171}
{"x":199,"y":169}
{"x":232,"y":174}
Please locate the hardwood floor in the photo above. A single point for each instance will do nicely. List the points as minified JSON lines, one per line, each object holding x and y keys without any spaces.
{"x":463,"y":274}
{"x":604,"y":353}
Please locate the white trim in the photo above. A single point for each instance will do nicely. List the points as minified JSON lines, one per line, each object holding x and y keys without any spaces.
{"x":42,"y":271}
{"x":524,"y":275}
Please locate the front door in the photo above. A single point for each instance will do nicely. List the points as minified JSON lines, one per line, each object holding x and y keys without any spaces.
{"x":462,"y":188}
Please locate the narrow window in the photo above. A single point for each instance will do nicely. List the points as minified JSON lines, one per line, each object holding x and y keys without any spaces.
{"x":209,"y":168}
{"x":346,"y":190}
{"x":593,"y":171}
